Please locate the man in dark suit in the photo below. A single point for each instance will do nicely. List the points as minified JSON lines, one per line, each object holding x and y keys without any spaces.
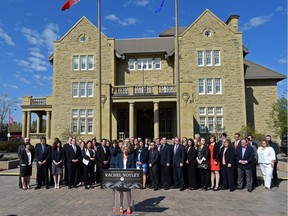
{"x":65,"y":147}
{"x":73,"y":160}
{"x":153,"y":165}
{"x":165,"y":162}
{"x":43,"y":156}
{"x":254,"y":165}
{"x":275,"y":146}
{"x":103,"y":157}
{"x":244,"y":159}
{"x":178,"y":162}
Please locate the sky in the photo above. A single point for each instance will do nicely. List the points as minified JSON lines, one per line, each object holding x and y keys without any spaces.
{"x":29,"y":27}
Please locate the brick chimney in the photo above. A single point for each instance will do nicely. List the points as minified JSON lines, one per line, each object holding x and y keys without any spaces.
{"x":232,"y":22}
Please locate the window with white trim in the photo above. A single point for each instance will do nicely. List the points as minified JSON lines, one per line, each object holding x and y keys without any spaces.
{"x":210,"y":110}
{"x":90,"y":62}
{"x":144,"y":64}
{"x":209,"y":83}
{"x":219,"y":122}
{"x":157,"y":63}
{"x":217,"y":57}
{"x":219,"y":111}
{"x":202,"y":125}
{"x":75,"y":63}
{"x":82,"y":121}
{"x":90,"y":89}
{"x":131,"y":64}
{"x":218,"y":86}
{"x":82,"y":89}
{"x":211,"y":124}
{"x":83,"y":60}
{"x":201,"y":86}
{"x":200,"y":55}
{"x":202,"y":110}
{"x":208,"y":57}
{"x":75,"y":87}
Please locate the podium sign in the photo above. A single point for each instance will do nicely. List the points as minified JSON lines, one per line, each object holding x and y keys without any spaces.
{"x":122,"y":178}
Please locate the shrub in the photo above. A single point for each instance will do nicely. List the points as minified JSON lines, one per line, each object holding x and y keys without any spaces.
{"x":10,"y":146}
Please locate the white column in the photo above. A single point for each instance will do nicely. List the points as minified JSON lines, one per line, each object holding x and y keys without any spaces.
{"x":28,"y":124}
{"x":156,"y":119}
{"x":24,"y":124}
{"x":48,"y":124}
{"x":131,"y":119}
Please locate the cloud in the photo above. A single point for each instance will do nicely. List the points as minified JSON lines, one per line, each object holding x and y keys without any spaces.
{"x":44,"y":38}
{"x":283,"y":60}
{"x":42,"y":80}
{"x":19,"y":77}
{"x":139,"y":3}
{"x":122,"y":22}
{"x":5,"y":85}
{"x":35,"y":62}
{"x":6,"y":38}
{"x":255,"y":22}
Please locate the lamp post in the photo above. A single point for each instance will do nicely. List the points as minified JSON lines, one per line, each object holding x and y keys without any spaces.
{"x":8,"y":128}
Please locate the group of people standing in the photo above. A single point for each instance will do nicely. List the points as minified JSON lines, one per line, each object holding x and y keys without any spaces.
{"x":187,"y":163}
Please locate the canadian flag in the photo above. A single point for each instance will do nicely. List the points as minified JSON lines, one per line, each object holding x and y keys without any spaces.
{"x":69,"y":3}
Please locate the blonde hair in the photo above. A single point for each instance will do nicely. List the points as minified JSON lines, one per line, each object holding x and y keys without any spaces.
{"x":125,"y":146}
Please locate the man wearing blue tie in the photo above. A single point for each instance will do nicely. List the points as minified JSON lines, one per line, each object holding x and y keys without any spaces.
{"x":244,"y":159}
{"x":42,"y":155}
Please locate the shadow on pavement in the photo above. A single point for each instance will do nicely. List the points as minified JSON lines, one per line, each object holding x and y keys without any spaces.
{"x":151,"y":205}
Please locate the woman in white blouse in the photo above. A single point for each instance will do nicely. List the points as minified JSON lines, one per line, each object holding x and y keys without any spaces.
{"x":266,"y":159}
{"x":27,"y":158}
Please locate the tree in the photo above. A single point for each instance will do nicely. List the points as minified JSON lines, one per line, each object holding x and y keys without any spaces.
{"x":7,"y":104}
{"x":248,"y":129}
{"x":278,"y":116}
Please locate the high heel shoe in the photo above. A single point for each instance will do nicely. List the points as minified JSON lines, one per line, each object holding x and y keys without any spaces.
{"x":121,"y":210}
{"x":216,"y":188}
{"x":128,"y":211}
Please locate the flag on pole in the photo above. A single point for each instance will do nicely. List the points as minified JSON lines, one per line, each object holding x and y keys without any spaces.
{"x":160,"y":7}
{"x":11,"y":120}
{"x":69,"y":3}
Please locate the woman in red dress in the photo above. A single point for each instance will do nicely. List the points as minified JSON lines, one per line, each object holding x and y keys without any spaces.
{"x":214,"y":149}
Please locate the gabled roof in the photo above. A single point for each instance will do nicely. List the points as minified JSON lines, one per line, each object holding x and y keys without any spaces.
{"x":256,"y":71}
{"x":170,"y":32}
{"x":144,"y":45}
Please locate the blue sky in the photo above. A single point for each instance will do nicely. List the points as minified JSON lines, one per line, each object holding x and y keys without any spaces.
{"x":28,"y":28}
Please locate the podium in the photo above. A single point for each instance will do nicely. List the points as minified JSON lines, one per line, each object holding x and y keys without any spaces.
{"x":123,"y":183}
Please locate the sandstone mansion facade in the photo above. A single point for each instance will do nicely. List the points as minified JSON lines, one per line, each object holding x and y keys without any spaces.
{"x":219,"y":88}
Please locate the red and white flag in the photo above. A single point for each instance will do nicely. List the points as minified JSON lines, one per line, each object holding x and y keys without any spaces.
{"x":69,"y":3}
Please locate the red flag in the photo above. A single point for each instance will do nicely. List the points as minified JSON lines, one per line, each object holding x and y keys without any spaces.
{"x":11,"y":120}
{"x":69,"y":3}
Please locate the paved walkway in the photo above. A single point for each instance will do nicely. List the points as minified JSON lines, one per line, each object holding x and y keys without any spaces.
{"x":14,"y":201}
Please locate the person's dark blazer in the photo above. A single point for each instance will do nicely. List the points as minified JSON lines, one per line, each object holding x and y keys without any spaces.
{"x":238,"y":145}
{"x":179,"y":156}
{"x":102,"y":156}
{"x":275,"y":146}
{"x":204,"y":153}
{"x":249,"y":156}
{"x":216,"y":151}
{"x":24,"y":157}
{"x":229,"y":155}
{"x":153,"y":157}
{"x":191,"y":155}
{"x":144,"y":156}
{"x":22,"y":147}
{"x":71,"y":155}
{"x":58,"y":155}
{"x":165,"y":154}
{"x":113,"y":155}
{"x":130,"y":162}
{"x":39,"y":156}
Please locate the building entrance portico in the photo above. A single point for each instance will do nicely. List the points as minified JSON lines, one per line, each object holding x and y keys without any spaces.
{"x":145,"y":119}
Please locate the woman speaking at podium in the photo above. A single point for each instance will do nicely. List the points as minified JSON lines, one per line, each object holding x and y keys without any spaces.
{"x":125,"y":161}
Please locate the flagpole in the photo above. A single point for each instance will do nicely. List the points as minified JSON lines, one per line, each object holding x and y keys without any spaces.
{"x":99,"y":128}
{"x":177,"y":70}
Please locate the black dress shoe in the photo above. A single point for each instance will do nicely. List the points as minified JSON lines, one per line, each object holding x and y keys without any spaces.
{"x":37,"y":187}
{"x":47,"y":187}
{"x":75,"y":186}
{"x":91,"y":186}
{"x":87,"y":187}
{"x":192,"y":188}
{"x":166,"y":188}
{"x":250,"y":190}
{"x":69,"y":187}
{"x":156,"y":188}
{"x":182,"y":189}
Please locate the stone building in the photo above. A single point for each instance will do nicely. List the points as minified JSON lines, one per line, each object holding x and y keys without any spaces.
{"x":219,"y":88}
